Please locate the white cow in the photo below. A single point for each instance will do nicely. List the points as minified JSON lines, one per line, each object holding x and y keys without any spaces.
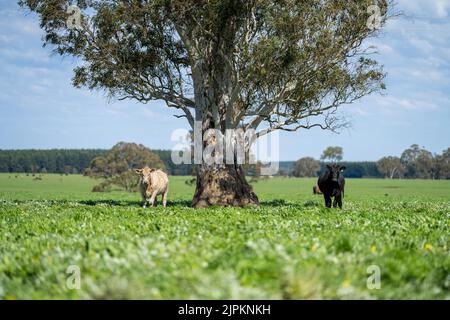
{"x":153,"y":183}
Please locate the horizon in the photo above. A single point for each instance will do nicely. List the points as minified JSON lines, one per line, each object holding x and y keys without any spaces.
{"x":41,"y":110}
{"x":107,"y":149}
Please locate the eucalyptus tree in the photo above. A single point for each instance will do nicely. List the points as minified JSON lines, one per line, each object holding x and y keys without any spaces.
{"x":117,"y":166}
{"x":391,"y":167}
{"x":226,"y":64}
{"x":306,"y":167}
{"x":420,"y":163}
{"x":443,"y":165}
{"x":333,"y":154}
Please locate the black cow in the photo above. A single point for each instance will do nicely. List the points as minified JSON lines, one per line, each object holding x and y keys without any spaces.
{"x":332,"y":183}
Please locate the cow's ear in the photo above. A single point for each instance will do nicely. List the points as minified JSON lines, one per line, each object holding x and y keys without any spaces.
{"x":138,"y":170}
{"x":343,"y":168}
{"x":152,"y":169}
{"x":328,"y":166}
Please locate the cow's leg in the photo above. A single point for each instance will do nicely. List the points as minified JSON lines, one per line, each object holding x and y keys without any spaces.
{"x":339,"y":201}
{"x":164,"y":199}
{"x":327,"y":200}
{"x":144,"y":202}
{"x":335,"y":201}
{"x":152,"y":199}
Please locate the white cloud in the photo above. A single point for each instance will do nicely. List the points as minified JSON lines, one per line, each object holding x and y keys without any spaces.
{"x":394,"y":103}
{"x":385,"y":49}
{"x":380,"y":47}
{"x":30,"y":28}
{"x":426,"y":9}
{"x":442,"y":8}
{"x":361,"y":112}
{"x":421,"y":44}
{"x":417,"y":73}
{"x":7,"y":39}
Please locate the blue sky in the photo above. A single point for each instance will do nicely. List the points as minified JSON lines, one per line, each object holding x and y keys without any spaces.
{"x":40,"y":109}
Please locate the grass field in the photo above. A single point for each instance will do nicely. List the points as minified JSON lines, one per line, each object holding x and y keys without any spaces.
{"x":291,"y":247}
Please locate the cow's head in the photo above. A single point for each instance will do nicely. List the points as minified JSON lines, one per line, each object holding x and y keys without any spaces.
{"x":335,"y":171}
{"x":145,"y":174}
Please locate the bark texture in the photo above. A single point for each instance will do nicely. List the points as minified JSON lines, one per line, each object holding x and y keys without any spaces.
{"x":223,"y":185}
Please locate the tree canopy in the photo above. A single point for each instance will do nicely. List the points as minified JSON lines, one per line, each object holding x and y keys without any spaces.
{"x":332,"y":154}
{"x":306,"y":167}
{"x":418,"y":162}
{"x":287,"y":63}
{"x":391,"y":167}
{"x":116,"y":167}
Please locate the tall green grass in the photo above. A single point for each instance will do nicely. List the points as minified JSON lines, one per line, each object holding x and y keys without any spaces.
{"x":291,"y":247}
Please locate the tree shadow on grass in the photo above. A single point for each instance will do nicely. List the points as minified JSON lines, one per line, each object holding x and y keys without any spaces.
{"x":133,"y":203}
{"x":284,"y":203}
{"x":109,"y":202}
{"x":188,"y":204}
{"x":172,"y":203}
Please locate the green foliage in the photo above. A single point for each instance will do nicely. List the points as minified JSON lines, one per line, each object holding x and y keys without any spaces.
{"x":291,"y":247}
{"x":442,"y":165}
{"x":286,"y":61}
{"x":306,"y":167}
{"x":121,"y":158}
{"x":118,"y":164}
{"x":419,"y":163}
{"x":361,"y":169}
{"x":52,"y":161}
{"x":174,"y":169}
{"x":56,"y":161}
{"x":391,"y":167}
{"x":104,"y":186}
{"x":68,"y":160}
{"x":333,"y":154}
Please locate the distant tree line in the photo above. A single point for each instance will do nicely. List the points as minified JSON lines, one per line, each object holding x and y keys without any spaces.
{"x":172,"y":168}
{"x":70,"y":161}
{"x":414,"y":162}
{"x":48,"y":161}
{"x":309,"y":167}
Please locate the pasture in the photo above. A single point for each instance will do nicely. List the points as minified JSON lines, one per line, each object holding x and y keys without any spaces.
{"x":291,"y":247}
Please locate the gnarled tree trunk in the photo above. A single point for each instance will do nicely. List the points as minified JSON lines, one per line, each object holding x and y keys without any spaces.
{"x":223,"y":185}
{"x":218,"y":183}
